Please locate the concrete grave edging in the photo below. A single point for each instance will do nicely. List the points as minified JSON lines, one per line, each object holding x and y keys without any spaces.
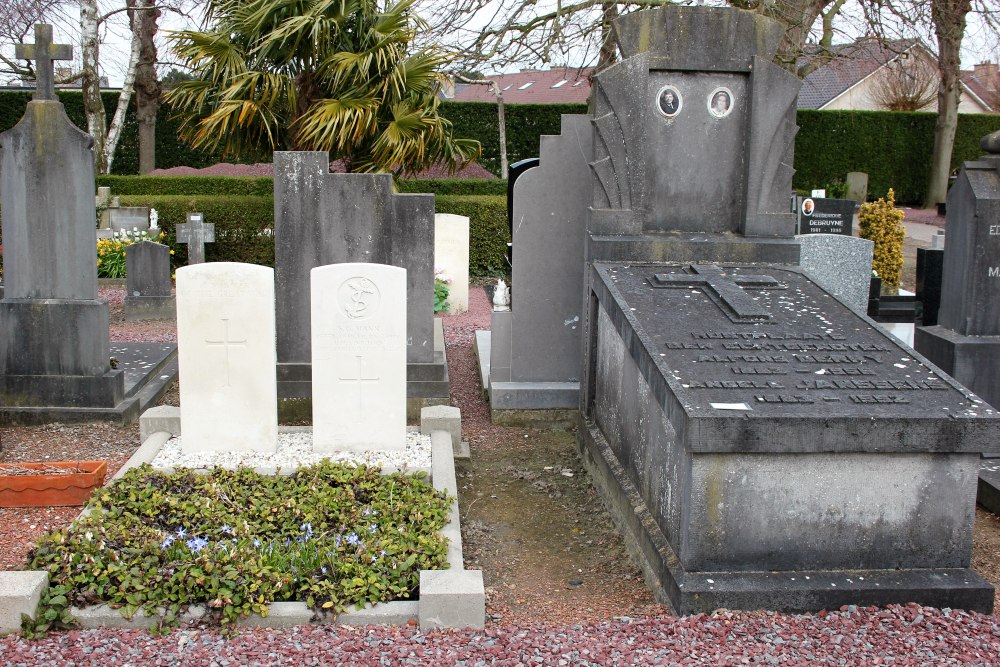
{"x":456,"y":597}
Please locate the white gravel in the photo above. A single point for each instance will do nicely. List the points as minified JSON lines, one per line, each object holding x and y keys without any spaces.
{"x":295,"y":450}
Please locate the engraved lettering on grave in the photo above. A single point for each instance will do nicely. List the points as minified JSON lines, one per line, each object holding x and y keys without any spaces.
{"x":360,"y":379}
{"x":225,"y":343}
{"x":994,"y":271}
{"x":359,"y":298}
{"x":727,"y":290}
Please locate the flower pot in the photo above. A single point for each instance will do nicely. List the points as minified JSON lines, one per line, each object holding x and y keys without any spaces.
{"x":49,"y":489}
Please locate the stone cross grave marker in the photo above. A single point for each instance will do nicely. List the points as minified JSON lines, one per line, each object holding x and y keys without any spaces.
{"x":358,"y":357}
{"x":196,"y":233}
{"x":724,"y":288}
{"x":226,"y":357}
{"x":44,"y":52}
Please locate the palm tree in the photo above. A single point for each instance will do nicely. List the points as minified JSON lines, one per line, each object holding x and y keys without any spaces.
{"x":331,"y":75}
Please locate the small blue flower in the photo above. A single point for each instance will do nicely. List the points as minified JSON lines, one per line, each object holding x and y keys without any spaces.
{"x":323,"y":569}
{"x":372,"y":528}
{"x":381,"y":553}
{"x":307,"y":529}
{"x":196,"y":544}
{"x":226,"y":529}
{"x":168,"y":539}
{"x":181,"y":532}
{"x":368,"y":511}
{"x":336,"y":541}
{"x":353,"y":539}
{"x":374,"y":558}
{"x":256,"y":543}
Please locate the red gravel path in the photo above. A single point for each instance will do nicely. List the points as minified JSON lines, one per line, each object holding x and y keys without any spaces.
{"x":897,"y":635}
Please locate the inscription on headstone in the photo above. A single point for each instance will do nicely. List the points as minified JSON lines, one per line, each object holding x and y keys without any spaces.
{"x":817,"y":215}
{"x":358,"y":357}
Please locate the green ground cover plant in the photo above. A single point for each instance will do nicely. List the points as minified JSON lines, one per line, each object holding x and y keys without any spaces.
{"x":330,"y":535}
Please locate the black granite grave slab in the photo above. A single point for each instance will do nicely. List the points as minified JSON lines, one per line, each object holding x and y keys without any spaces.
{"x":769,"y":447}
{"x":818,"y":215}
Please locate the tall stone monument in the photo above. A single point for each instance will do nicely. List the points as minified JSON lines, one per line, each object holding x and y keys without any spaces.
{"x":762,"y":444}
{"x":322,"y":218}
{"x":55,"y":356}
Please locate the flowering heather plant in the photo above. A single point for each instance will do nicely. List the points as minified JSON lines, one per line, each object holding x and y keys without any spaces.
{"x":330,"y":535}
{"x":111,"y":252}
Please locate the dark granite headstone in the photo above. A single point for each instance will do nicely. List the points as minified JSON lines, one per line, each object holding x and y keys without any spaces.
{"x":129,"y":219}
{"x":817,"y":215}
{"x":322,"y":218}
{"x":930,"y":262}
{"x":196,"y":233}
{"x":148,"y":293}
{"x":787,"y":453}
{"x":535,"y":346}
{"x":55,"y":357}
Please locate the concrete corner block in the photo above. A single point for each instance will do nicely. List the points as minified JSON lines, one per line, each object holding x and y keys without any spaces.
{"x":20,"y":592}
{"x":280,"y":615}
{"x":442,"y":418}
{"x":452,"y":599}
{"x":161,"y":418}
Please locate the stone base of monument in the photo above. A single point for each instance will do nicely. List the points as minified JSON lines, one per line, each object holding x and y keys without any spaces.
{"x":427,"y":384}
{"x":149,"y":308}
{"x":143,"y":373}
{"x":763,"y":445}
{"x":456,"y":597}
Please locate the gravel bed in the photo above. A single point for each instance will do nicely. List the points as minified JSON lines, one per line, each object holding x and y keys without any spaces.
{"x":295,"y":450}
{"x":896,"y":635}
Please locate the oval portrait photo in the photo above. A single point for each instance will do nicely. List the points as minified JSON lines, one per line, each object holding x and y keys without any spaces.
{"x":720,"y":102}
{"x":669,"y":101}
{"x":808,"y":206}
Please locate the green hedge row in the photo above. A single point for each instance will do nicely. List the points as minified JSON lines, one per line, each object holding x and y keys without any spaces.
{"x":893,"y":147}
{"x":243,"y":225}
{"x":263,"y":186}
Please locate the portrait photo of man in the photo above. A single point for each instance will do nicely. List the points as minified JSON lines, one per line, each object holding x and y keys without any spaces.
{"x":720,"y":102}
{"x":669,"y":101}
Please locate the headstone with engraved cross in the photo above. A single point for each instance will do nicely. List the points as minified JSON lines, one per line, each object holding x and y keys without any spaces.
{"x":358,"y":357}
{"x":196,"y":233}
{"x":54,"y":347}
{"x":225,"y":336}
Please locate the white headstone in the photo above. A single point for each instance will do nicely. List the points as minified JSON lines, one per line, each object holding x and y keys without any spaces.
{"x":226,"y":357}
{"x":451,"y":255}
{"x":358,"y":357}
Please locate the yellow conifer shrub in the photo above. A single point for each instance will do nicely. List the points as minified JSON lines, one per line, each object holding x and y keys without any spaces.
{"x":881,"y":222}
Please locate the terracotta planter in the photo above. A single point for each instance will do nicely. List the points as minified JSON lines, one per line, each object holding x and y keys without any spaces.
{"x":51,"y":489}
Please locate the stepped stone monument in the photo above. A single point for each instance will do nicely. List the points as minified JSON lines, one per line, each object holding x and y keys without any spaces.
{"x":762,"y":443}
{"x":55,"y":356}
{"x":322,"y":218}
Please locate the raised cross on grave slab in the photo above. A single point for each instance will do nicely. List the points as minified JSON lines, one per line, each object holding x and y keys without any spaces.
{"x":196,"y":233}
{"x":726,"y":288}
{"x":43,"y":52}
{"x":225,"y":344}
{"x":360,"y":379}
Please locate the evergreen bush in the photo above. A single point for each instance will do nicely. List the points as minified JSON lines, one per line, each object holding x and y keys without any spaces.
{"x":882,"y":223}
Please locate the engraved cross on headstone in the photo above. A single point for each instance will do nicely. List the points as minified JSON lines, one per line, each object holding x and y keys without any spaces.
{"x":726,"y":288}
{"x":196,"y":233}
{"x":43,"y":52}
{"x":225,"y":343}
{"x":360,"y":379}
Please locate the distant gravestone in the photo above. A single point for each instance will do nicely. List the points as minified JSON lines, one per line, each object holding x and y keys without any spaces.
{"x":857,"y":186}
{"x":842,"y":265}
{"x":54,"y":348}
{"x":225,"y":337}
{"x":196,"y":233}
{"x":128,"y":219}
{"x":451,"y":255}
{"x":359,"y":357}
{"x":148,"y":287}
{"x":817,"y":215}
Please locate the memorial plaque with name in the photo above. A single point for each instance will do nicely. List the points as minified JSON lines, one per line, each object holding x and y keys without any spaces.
{"x":768,"y":344}
{"x":817,"y":215}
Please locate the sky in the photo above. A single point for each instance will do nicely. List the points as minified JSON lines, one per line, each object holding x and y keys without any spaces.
{"x":979,"y":44}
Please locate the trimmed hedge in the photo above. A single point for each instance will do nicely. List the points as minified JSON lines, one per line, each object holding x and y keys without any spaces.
{"x":243,"y":226}
{"x":263,"y":186}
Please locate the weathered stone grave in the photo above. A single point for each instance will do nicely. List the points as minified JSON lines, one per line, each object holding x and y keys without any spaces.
{"x":225,"y":337}
{"x":842,"y":265}
{"x":322,"y":218}
{"x":55,"y":356}
{"x":128,"y":219}
{"x":857,"y":186}
{"x":763,"y":444}
{"x":358,"y":357}
{"x":195,"y":233}
{"x":451,"y":255}
{"x":148,"y":287}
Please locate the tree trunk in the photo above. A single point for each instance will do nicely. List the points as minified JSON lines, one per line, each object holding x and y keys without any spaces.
{"x":114,"y":133}
{"x":147,"y":86}
{"x":90,"y":80}
{"x":609,"y":53}
{"x":502,"y":122}
{"x":949,"y":27}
